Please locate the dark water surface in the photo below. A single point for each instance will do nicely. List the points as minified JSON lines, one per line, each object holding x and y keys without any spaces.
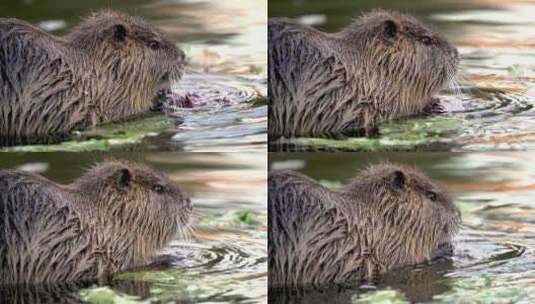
{"x":225,"y":260}
{"x":225,"y":42}
{"x":494,"y":109}
{"x":494,"y":260}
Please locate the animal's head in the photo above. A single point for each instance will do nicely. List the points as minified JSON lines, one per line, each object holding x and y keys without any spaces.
{"x":403,"y":54}
{"x":131,"y":51}
{"x":413,"y":214}
{"x":138,"y":201}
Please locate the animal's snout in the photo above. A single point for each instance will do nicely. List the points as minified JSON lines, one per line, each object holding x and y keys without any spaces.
{"x":455,"y":54}
{"x":187,"y":204}
{"x":181,"y":56}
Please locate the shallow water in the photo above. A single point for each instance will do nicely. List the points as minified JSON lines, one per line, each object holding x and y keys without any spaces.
{"x":494,"y":260}
{"x":225,"y":260}
{"x":494,"y":109}
{"x":225,"y":42}
{"x":231,"y":116}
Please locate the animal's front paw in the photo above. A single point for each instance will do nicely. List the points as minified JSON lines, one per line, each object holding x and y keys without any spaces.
{"x":434,"y":106}
{"x":372,"y":132}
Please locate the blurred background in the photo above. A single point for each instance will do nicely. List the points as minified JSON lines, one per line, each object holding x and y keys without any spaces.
{"x":494,"y":259}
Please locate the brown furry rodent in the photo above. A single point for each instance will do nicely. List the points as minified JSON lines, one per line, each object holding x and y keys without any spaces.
{"x":383,"y":66}
{"x":109,"y":68}
{"x":389,"y":216}
{"x":113,"y":218}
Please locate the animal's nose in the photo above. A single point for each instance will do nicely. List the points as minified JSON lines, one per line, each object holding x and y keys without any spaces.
{"x":455,"y":53}
{"x":187,"y":204}
{"x":181,"y":56}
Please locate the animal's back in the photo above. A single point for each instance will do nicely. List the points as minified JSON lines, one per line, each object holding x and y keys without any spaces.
{"x":306,"y":78}
{"x":33,"y":74}
{"x":19,"y":202}
{"x":33,"y":226}
{"x":306,"y":220}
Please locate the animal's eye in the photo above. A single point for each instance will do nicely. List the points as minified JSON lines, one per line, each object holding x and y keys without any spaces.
{"x":426,"y":40}
{"x":157,"y":188}
{"x":153,"y":44}
{"x":431,"y":195}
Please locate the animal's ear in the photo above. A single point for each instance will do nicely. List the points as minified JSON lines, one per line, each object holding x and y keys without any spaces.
{"x":390,"y":28}
{"x":123,"y":179}
{"x":397,"y":181}
{"x":117,"y":33}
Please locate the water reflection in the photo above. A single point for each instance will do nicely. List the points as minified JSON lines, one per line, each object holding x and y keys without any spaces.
{"x":494,"y":256}
{"x":70,"y":293}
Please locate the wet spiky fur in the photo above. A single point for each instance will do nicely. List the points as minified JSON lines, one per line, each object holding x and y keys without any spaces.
{"x":113,"y":218}
{"x":378,"y":68}
{"x":389,"y":216}
{"x":109,"y":68}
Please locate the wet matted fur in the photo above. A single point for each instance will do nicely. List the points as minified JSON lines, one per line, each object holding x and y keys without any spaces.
{"x":389,"y":216}
{"x":109,"y":68}
{"x":117,"y":216}
{"x":383,"y":66}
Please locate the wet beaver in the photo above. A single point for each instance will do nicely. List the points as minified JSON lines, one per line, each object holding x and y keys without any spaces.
{"x":383,"y":66}
{"x":109,"y":68}
{"x":113,"y":218}
{"x":389,"y":216}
